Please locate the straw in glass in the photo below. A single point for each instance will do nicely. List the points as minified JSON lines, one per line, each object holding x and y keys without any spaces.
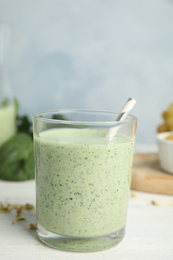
{"x":130,"y":103}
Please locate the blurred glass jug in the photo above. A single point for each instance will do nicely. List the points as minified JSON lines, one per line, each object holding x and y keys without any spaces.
{"x":7,"y":106}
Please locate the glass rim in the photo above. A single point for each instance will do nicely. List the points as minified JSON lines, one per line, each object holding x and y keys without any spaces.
{"x":40,"y":116}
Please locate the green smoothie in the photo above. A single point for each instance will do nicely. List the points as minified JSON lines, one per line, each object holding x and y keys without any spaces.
{"x":82,"y":181}
{"x":7,"y":123}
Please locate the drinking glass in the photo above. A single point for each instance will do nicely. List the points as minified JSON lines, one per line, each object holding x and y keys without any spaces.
{"x":82,"y":178}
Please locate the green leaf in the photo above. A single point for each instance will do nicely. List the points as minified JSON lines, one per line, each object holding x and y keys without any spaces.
{"x":17,"y":158}
{"x":16,"y":104}
{"x":24,"y":125}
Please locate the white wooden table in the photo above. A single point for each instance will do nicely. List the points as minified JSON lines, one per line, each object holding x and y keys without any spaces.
{"x":149,"y":232}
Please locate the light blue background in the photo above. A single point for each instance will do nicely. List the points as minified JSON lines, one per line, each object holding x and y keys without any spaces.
{"x":93,"y":54}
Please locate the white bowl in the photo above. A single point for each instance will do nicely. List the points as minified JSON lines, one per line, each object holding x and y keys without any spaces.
{"x":165,"y":148}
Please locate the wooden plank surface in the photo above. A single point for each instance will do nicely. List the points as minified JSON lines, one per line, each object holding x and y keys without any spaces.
{"x":149,"y":177}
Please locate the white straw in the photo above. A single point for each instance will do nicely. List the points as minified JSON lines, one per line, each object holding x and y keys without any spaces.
{"x":124,"y":113}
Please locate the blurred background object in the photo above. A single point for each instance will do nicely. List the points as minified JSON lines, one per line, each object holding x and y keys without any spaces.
{"x":7,"y":106}
{"x":94,"y":55}
{"x":167,"y":118}
{"x":16,"y":148}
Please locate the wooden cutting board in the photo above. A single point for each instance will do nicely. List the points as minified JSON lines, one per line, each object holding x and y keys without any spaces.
{"x":149,"y":177}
